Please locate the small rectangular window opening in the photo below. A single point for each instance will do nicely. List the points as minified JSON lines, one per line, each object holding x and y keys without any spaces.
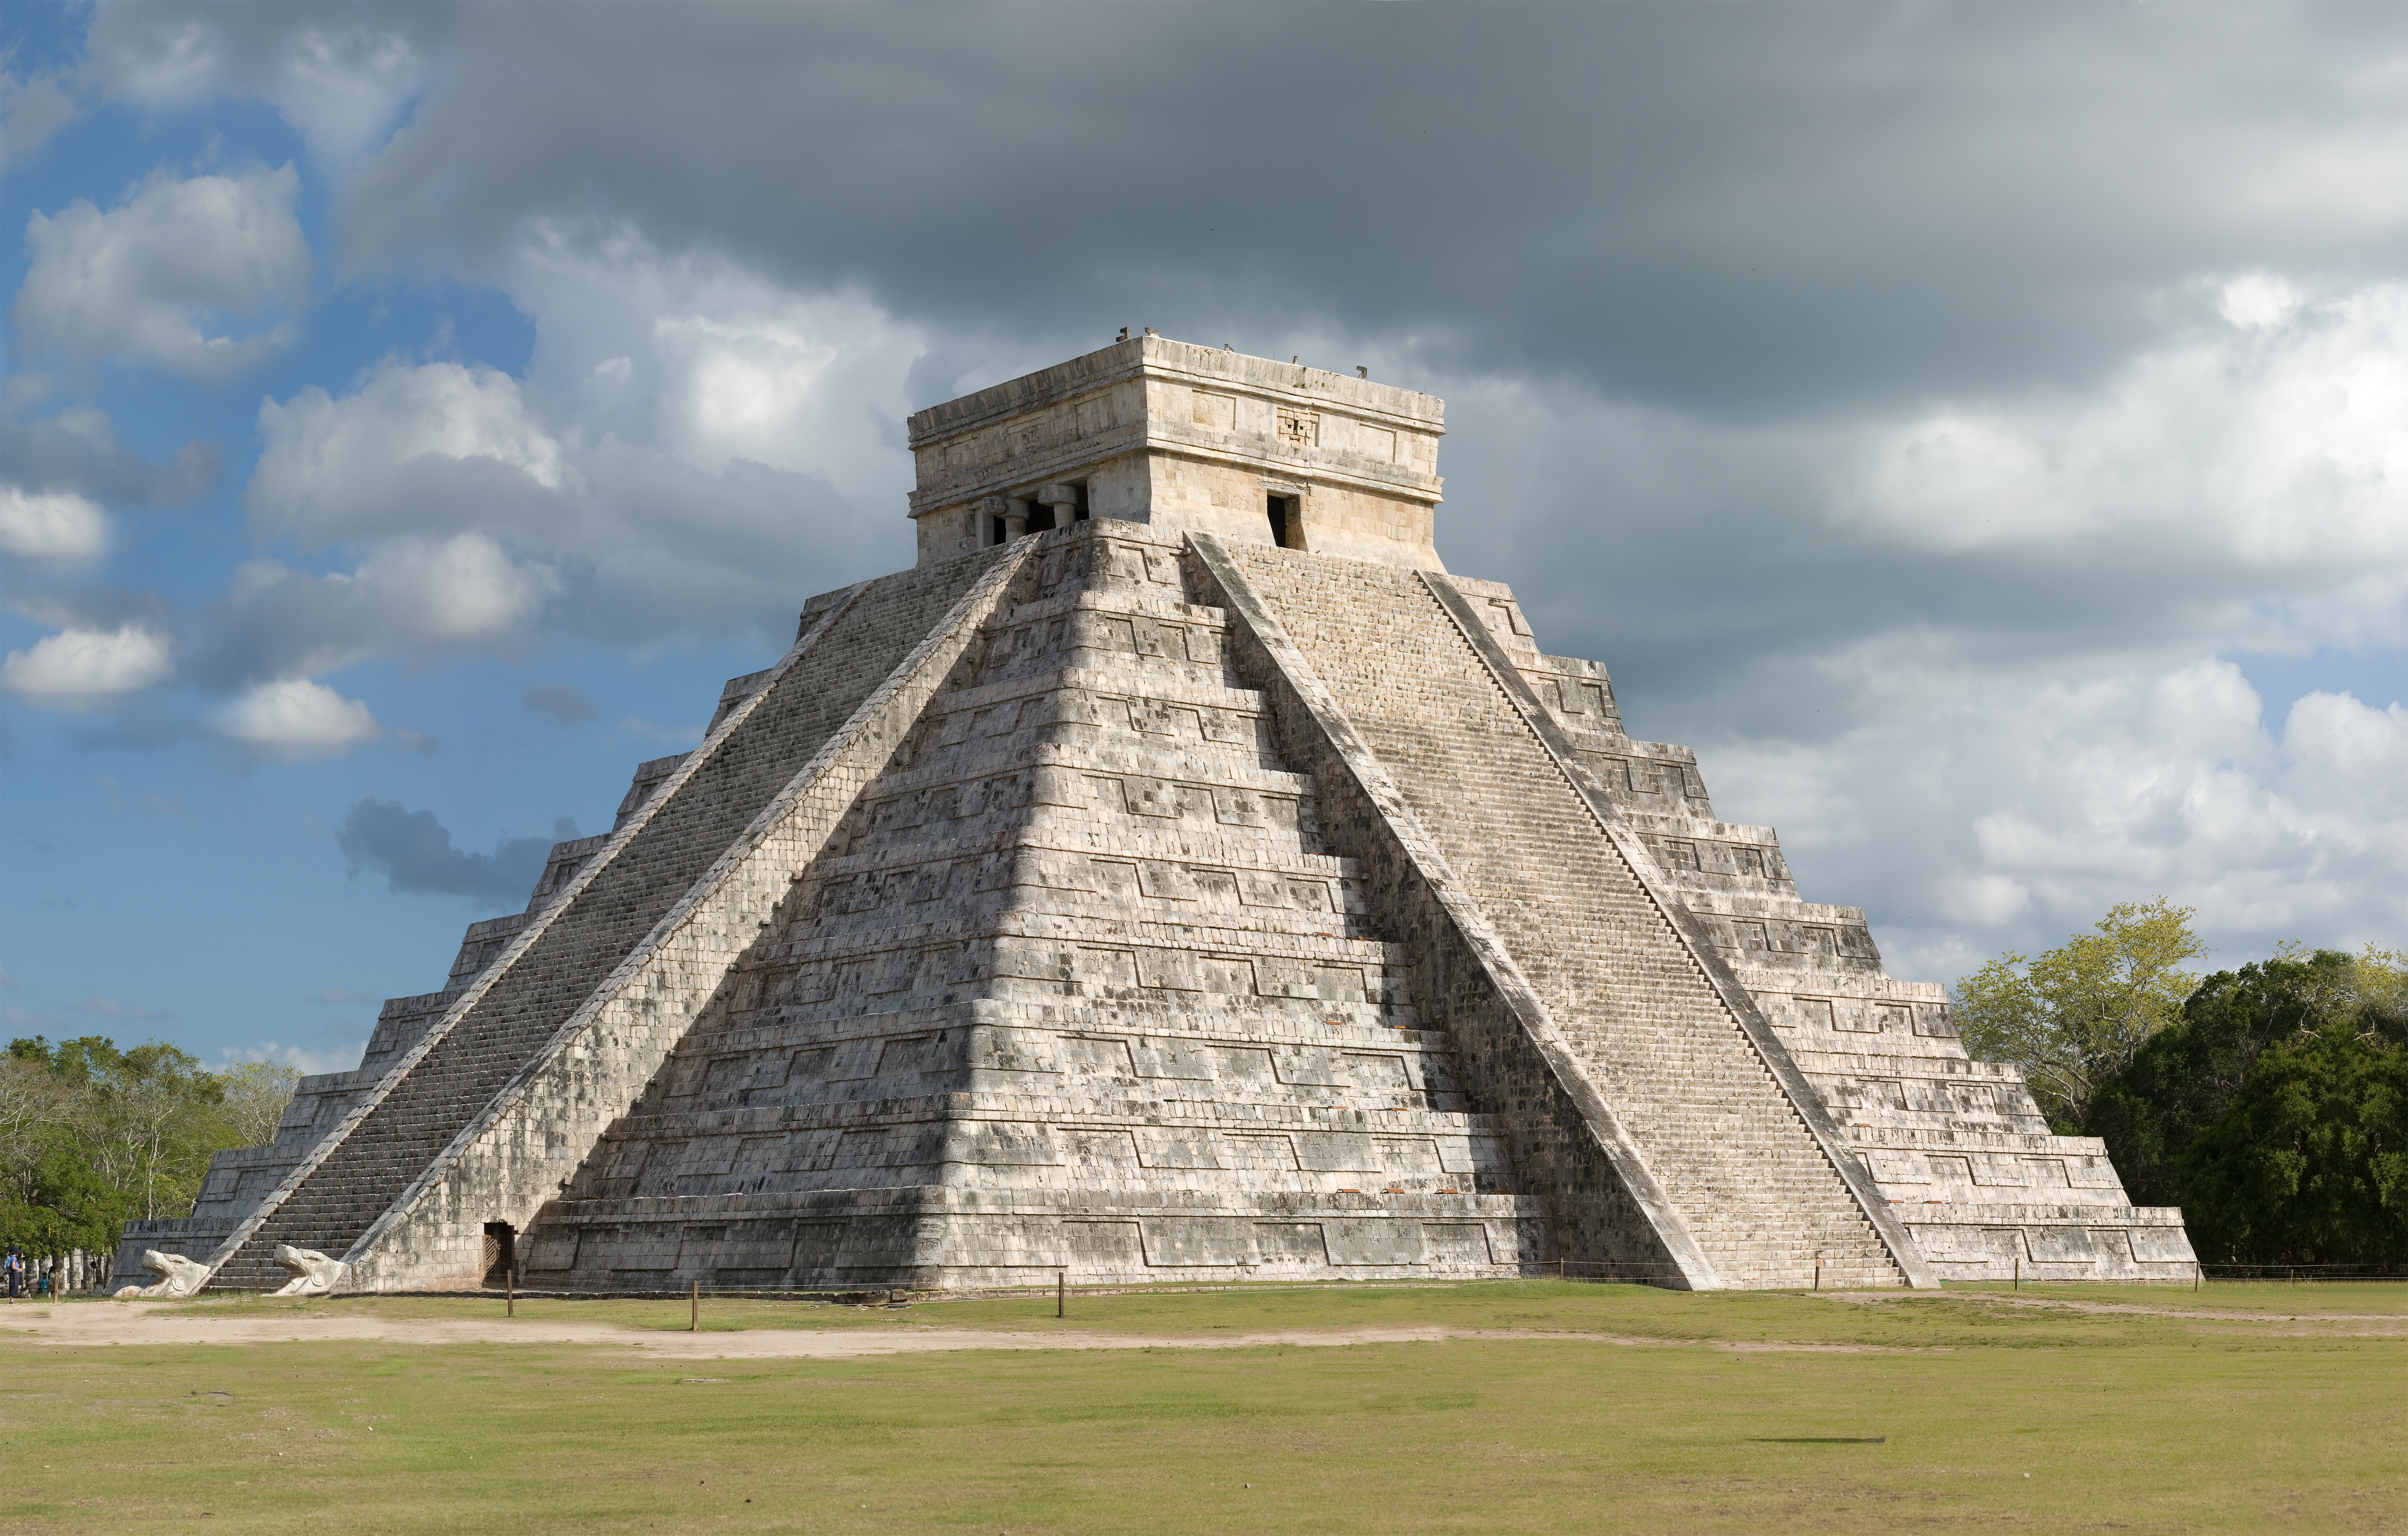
{"x":1285,"y":520}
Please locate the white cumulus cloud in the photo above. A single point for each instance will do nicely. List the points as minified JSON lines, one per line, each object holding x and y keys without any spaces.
{"x":410,"y":595}
{"x":341,"y":78}
{"x":2272,"y":443}
{"x":51,"y":525}
{"x":1988,"y":663}
{"x":712,"y":363}
{"x":160,"y":276}
{"x":1990,"y":810}
{"x":82,"y":669}
{"x":309,"y":1059}
{"x":691,"y":450}
{"x":411,"y":448}
{"x":2345,"y":754}
{"x":296,"y":717}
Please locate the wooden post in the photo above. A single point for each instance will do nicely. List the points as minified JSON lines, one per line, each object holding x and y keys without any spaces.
{"x":1559,"y":1269}
{"x":2019,"y":1271}
{"x":2194,"y":1275}
{"x":509,"y":1292}
{"x":695,"y":1326}
{"x":1818,"y":1271}
{"x":1061,"y":1291}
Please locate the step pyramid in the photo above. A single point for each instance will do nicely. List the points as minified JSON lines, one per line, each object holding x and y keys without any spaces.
{"x":1177,"y":875}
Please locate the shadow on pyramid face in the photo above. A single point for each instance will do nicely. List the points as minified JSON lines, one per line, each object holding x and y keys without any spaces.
{"x":1078,"y":981}
{"x":1183,"y":890}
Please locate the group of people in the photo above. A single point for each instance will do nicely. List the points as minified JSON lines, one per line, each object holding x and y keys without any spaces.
{"x":26,"y":1278}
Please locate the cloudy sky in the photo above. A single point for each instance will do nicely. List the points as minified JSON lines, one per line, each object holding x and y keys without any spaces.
{"x":1981,"y":431}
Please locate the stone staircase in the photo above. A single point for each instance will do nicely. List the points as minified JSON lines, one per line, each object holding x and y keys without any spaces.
{"x":1731,"y":1150}
{"x":1077,"y":985}
{"x":1125,"y":890}
{"x":614,"y":897}
{"x":1957,"y":1146}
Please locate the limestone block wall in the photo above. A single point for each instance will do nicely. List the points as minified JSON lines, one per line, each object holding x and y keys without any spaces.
{"x":500,"y":1022}
{"x":1140,"y":904}
{"x":240,"y":1180}
{"x":1957,"y":1146}
{"x":1229,"y":501}
{"x":650,"y":775}
{"x":530,"y":1139}
{"x":1746,"y":1163}
{"x":1181,"y":437}
{"x":1602,"y":1202}
{"x":1075,"y":985}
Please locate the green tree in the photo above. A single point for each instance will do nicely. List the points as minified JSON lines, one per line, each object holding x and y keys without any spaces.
{"x":32,"y":1106}
{"x":255,"y":1094}
{"x":2276,"y":1113}
{"x":52,"y":1197}
{"x":96,"y":1136}
{"x":2079,"y":1012}
{"x":150,"y":1118}
{"x":2310,"y":1163}
{"x":2183,"y":1080}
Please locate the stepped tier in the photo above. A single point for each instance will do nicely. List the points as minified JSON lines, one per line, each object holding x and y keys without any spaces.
{"x":1882,"y":1054}
{"x":1151,"y":898}
{"x":1708,"y":1113}
{"x":1078,"y":982}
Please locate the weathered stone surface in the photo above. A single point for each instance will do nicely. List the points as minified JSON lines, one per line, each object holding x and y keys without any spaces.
{"x":1181,"y":437}
{"x":178,"y":1275}
{"x":1956,"y":1145}
{"x":313,"y":1273}
{"x":1204,"y":886}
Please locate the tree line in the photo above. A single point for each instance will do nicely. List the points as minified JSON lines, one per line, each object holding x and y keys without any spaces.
{"x":92,"y":1136}
{"x":2270,"y":1102}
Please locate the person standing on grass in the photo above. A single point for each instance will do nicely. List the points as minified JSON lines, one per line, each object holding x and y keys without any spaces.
{"x":15,"y":1264}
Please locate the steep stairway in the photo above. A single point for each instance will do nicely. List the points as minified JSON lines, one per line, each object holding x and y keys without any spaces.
{"x":1733,"y":1153}
{"x":1076,"y":986}
{"x":523,"y":998}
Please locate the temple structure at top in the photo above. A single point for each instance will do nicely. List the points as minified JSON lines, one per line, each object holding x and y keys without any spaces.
{"x":1178,"y":873}
{"x":1183,"y":439}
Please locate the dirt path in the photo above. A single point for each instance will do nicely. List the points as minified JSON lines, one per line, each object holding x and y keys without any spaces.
{"x":136,"y":1324}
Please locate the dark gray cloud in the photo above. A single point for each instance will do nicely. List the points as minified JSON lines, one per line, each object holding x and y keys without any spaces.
{"x":414,"y":853}
{"x":1733,"y":208}
{"x":77,"y":450}
{"x":1706,"y":569}
{"x":1869,"y":385}
{"x":1786,"y":218}
{"x":562,"y":703}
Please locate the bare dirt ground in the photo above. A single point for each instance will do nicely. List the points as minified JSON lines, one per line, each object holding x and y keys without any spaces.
{"x":848,"y":1334}
{"x":157,"y":1323}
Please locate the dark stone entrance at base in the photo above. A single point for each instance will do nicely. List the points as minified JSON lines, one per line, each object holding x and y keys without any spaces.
{"x":501,"y":1252}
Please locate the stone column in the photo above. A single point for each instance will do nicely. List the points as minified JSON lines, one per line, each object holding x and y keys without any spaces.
{"x":1064,"y":500}
{"x":1015,"y":520}
{"x":999,"y":509}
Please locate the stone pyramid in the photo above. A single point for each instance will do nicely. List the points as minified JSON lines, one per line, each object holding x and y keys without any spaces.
{"x":1177,"y":875}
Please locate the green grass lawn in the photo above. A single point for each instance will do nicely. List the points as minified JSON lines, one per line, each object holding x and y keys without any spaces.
{"x":1965,"y":1410}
